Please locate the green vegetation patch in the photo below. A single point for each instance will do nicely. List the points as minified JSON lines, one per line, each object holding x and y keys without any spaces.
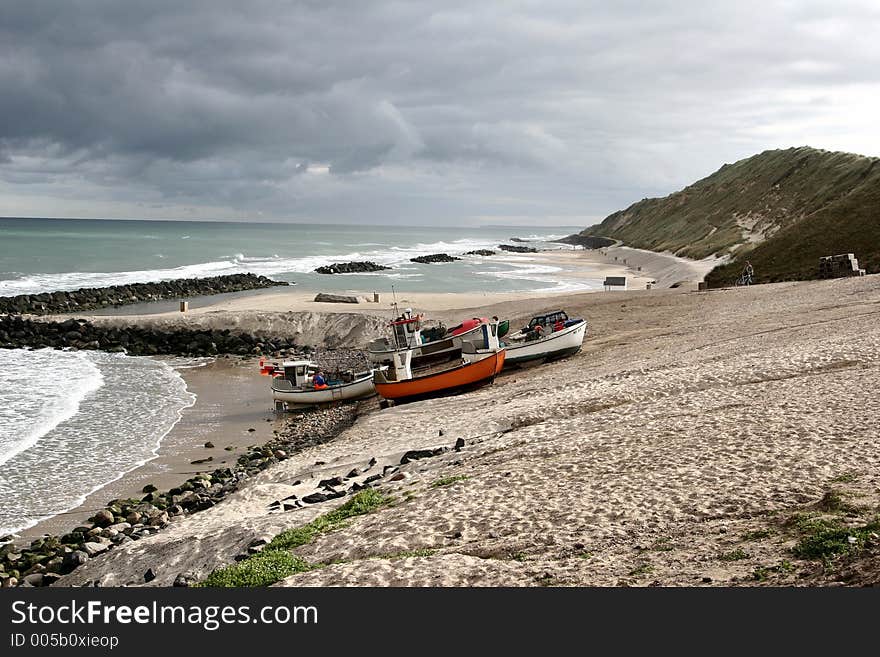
{"x":448,"y":481}
{"x":735,"y":555}
{"x":262,"y":569}
{"x":763,"y":573}
{"x":833,"y":501}
{"x":643,"y":569}
{"x":663,"y":545}
{"x":276,"y":561}
{"x":825,"y":541}
{"x":757,"y":535}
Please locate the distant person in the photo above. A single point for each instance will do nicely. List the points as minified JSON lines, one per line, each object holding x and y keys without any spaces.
{"x":320,"y":383}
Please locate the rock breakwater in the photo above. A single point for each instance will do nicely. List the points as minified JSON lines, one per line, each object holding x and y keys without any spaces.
{"x":350,"y":268}
{"x":18,"y":332}
{"x":82,"y":299}
{"x":434,"y":257}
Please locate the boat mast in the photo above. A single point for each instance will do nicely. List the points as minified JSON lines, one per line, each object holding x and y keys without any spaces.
{"x":396,"y":313}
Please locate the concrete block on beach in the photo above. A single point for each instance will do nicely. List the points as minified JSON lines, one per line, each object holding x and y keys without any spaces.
{"x":335,"y":298}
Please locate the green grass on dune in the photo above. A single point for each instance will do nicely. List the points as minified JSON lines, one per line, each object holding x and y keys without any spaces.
{"x":809,"y":203}
{"x":276,"y":561}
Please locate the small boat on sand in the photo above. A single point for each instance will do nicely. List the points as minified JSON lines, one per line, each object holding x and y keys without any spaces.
{"x":417,"y":369}
{"x":293,"y":384}
{"x":547,"y":337}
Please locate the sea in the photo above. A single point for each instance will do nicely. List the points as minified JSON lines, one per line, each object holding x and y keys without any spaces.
{"x":72,"y":422}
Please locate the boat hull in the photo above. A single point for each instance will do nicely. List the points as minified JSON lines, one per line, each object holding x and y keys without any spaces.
{"x":308,"y":397}
{"x":472,"y":374}
{"x":556,"y":345}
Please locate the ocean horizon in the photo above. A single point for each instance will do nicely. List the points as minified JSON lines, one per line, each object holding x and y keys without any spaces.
{"x":49,"y":255}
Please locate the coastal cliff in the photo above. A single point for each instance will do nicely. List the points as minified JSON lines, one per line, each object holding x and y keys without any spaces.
{"x":781,"y":210}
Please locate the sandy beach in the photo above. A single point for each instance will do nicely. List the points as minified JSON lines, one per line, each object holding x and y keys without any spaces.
{"x":574,"y":265}
{"x":675,"y":449}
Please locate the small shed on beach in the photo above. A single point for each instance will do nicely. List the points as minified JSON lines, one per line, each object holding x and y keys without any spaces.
{"x":615,"y":282}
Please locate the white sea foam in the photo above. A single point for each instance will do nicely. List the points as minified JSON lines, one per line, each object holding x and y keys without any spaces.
{"x":237,"y":263}
{"x":116,"y":427}
{"x":528,"y":271}
{"x":40,"y":390}
{"x":396,"y":256}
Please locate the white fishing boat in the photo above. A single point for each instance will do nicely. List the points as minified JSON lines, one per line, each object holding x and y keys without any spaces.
{"x":293,"y":384}
{"x":547,"y":337}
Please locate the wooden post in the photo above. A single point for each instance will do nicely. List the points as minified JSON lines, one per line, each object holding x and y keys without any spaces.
{"x":184,"y":306}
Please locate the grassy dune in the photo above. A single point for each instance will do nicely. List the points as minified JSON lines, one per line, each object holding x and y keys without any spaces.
{"x":780,"y":209}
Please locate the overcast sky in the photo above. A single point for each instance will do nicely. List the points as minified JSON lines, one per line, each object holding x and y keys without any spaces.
{"x":471,"y":112}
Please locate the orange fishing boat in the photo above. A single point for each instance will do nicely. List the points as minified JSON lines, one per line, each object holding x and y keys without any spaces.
{"x":458,"y":376}
{"x":417,"y":370}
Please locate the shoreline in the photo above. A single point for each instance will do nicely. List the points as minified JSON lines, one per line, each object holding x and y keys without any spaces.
{"x":211,"y":418}
{"x":575,"y":268}
{"x":214,"y":417}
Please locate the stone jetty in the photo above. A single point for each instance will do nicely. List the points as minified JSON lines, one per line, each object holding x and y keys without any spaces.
{"x":75,"y":301}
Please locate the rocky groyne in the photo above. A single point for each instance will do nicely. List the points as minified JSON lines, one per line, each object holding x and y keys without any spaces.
{"x":434,"y":257}
{"x":46,"y":303}
{"x":481,"y":252}
{"x":18,"y":332}
{"x":351,"y":268}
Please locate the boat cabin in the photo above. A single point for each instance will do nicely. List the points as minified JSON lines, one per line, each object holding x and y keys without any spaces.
{"x":298,"y":372}
{"x":550,"y":319}
{"x":406,"y":329}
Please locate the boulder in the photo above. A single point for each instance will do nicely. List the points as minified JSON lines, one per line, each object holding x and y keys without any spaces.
{"x":185,"y":579}
{"x":34,"y":579}
{"x":102,"y":518}
{"x":93,"y":549}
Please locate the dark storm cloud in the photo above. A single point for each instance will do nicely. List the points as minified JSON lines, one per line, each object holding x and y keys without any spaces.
{"x":384,"y":110}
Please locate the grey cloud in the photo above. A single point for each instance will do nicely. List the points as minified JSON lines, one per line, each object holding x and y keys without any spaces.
{"x":418,"y":109}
